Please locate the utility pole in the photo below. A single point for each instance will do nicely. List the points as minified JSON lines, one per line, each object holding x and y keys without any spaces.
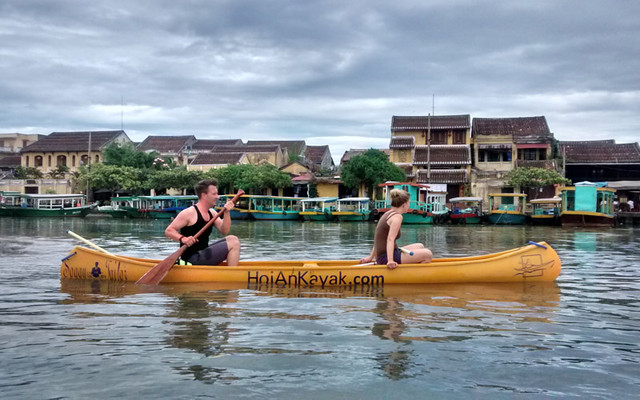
{"x":88,"y":167}
{"x":429,"y":149}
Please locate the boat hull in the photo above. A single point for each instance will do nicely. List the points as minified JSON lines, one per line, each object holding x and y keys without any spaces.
{"x":316,"y":216}
{"x":530,"y":263}
{"x":577,"y":218}
{"x":545,"y":220}
{"x":275,"y":215}
{"x":46,"y":212}
{"x":351,"y":216}
{"x":465,"y":219}
{"x":506,"y":218}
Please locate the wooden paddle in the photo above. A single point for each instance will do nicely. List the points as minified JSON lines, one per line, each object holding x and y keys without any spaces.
{"x":156,"y":274}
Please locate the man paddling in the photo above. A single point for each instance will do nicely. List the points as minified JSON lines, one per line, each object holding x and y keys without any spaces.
{"x":190,"y":220}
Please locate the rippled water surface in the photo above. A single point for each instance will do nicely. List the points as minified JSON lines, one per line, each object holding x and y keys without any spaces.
{"x":577,"y":337}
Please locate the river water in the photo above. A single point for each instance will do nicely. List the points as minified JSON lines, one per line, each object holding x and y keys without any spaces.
{"x":577,"y":337}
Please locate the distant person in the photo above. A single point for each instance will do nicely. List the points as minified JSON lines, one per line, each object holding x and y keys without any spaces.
{"x":189,"y":222}
{"x":630,"y":202}
{"x":385,"y":250}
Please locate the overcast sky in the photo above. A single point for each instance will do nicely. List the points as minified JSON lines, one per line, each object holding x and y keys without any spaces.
{"x":328,"y":72}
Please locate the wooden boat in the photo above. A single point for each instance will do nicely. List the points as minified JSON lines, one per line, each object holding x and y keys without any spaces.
{"x":274,"y":208}
{"x":506,"y":209}
{"x":318,"y":208}
{"x":45,"y":205}
{"x":587,"y":204}
{"x":530,"y":263}
{"x":116,"y":208}
{"x":466,"y":210}
{"x":164,"y":206}
{"x":545,"y":211}
{"x":425,"y":206}
{"x":242,"y":209}
{"x":353,"y":209}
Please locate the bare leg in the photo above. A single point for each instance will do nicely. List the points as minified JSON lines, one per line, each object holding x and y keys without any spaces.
{"x":420,"y":254}
{"x":233,"y":256}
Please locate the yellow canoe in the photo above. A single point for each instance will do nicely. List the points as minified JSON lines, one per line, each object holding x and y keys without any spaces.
{"x":531,"y":263}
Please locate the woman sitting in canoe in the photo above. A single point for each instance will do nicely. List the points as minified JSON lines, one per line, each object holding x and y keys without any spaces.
{"x":388,"y":231}
{"x":192,"y":219}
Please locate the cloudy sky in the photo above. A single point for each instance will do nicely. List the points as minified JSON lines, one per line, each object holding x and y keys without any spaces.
{"x":328,"y":72}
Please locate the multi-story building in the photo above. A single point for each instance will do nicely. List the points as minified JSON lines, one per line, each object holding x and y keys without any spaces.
{"x":435,"y":150}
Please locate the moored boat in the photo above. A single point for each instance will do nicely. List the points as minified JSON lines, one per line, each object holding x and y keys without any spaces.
{"x":587,"y":204}
{"x":425,"y":206}
{"x":545,"y":211}
{"x":275,"y":208}
{"x":46,"y":205}
{"x":242,"y":209}
{"x":530,"y":263}
{"x":353,"y":209}
{"x":506,"y":209}
{"x":318,"y":208}
{"x":466,"y":210}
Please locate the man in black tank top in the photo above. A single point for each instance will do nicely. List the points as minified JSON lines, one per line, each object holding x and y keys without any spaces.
{"x":189,"y":222}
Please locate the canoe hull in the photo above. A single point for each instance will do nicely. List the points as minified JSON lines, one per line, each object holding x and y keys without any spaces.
{"x":530,"y":263}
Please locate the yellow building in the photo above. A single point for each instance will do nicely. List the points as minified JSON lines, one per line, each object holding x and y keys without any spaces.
{"x":70,"y":149}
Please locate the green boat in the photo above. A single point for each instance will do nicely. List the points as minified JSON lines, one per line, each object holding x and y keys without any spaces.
{"x":353,"y":209}
{"x":318,"y":208}
{"x":274,"y":208}
{"x":466,"y":210}
{"x":425,"y":206}
{"x":44,"y":205}
{"x":587,"y":204}
{"x":507,"y":209}
{"x":164,"y":206}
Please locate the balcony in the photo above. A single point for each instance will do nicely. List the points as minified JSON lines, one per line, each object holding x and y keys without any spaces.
{"x":545,"y":164}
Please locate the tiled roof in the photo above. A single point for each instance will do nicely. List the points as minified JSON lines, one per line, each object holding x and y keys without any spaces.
{"x":600,"y":152}
{"x":402,"y":142}
{"x":315,"y":154}
{"x":349,"y":154}
{"x":443,"y":176}
{"x":457,"y":154}
{"x":72,"y":141}
{"x":247,"y":149}
{"x":10,"y":161}
{"x":522,"y":129}
{"x":166,"y":144}
{"x":292,"y":146}
{"x":402,"y":123}
{"x":207,"y":144}
{"x":217,"y":158}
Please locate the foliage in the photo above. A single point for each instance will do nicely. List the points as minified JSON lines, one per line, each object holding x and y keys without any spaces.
{"x":114,"y":177}
{"x":28,"y":173}
{"x":250,"y":178}
{"x":533,"y":178}
{"x":178,"y":178}
{"x":370,"y":168}
{"x":313,"y":190}
{"x":127,"y":155}
{"x":59,"y":172}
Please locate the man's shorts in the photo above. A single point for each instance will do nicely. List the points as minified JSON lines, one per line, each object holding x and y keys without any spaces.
{"x":215,"y":254}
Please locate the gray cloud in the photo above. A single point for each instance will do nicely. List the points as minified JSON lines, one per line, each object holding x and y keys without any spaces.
{"x":329,"y":72}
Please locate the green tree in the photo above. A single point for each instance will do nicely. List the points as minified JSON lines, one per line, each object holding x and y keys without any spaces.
{"x":370,"y":168}
{"x":534,"y":178}
{"x":114,"y":177}
{"x":250,"y":178}
{"x":126,"y":154}
{"x":28,"y":173}
{"x":178,"y":178}
{"x":59,"y":172}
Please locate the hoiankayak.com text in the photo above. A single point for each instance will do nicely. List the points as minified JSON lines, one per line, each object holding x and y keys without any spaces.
{"x":307,"y":278}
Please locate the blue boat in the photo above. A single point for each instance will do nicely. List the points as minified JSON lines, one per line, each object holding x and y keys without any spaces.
{"x":507,"y":209}
{"x":275,"y":208}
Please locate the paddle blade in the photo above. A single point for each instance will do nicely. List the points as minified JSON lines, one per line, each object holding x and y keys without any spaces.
{"x":156,"y":274}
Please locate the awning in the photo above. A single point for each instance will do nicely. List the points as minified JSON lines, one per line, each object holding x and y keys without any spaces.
{"x":495,"y":146}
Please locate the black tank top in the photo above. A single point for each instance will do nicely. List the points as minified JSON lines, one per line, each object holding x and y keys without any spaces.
{"x":203,"y":240}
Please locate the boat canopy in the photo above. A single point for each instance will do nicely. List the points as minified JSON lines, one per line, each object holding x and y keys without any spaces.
{"x":461,"y":199}
{"x":547,"y":200}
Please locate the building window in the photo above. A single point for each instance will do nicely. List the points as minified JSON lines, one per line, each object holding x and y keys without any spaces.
{"x":494,"y":155}
{"x":438,"y":138}
{"x":459,"y":137}
{"x":528,"y":154}
{"x":73,"y":160}
{"x":37,"y":161}
{"x":84,"y":159}
{"x":97,"y":158}
{"x":61,"y":160}
{"x":49,"y":162}
{"x":26,"y":161}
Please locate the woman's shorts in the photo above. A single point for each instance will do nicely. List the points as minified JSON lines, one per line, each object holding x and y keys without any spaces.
{"x":397,"y":256}
{"x":215,"y":254}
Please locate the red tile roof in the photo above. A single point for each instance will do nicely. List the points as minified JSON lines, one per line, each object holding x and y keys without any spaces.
{"x":457,"y":154}
{"x":10,"y":161}
{"x":293,"y":146}
{"x":315,"y":154}
{"x":522,"y":129}
{"x":403,"y":123}
{"x":600,"y":152}
{"x":208,"y":144}
{"x":166,"y":144}
{"x":402,"y":142}
{"x":247,"y":149}
{"x":349,"y":154}
{"x":217,"y":158}
{"x":443,"y":176}
{"x":73,"y":141}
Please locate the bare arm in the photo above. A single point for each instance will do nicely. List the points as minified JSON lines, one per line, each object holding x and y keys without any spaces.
{"x":223,"y":225}
{"x":395,"y":223}
{"x":173,"y":230}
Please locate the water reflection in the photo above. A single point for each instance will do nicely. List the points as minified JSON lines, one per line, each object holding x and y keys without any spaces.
{"x":391,"y":327}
